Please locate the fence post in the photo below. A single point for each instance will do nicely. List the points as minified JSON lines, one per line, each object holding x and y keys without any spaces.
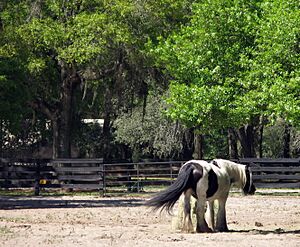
{"x":138,"y":178}
{"x":37,"y":179}
{"x":103,"y":180}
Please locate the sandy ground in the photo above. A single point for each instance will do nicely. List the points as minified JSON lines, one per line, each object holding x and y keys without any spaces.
{"x":93,"y":221}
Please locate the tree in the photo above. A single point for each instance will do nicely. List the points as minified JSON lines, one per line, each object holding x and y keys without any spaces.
{"x":95,"y":45}
{"x":225,"y":71}
{"x":274,"y":66}
{"x":150,"y":133}
{"x":276,"y":62}
{"x":231,"y":64}
{"x":55,"y":41}
{"x":204,"y":60}
{"x":134,"y":75}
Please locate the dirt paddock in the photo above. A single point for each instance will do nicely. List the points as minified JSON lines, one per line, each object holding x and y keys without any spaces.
{"x":124,"y":221}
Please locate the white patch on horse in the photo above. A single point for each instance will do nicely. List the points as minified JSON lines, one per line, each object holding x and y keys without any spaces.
{"x":212,"y":183}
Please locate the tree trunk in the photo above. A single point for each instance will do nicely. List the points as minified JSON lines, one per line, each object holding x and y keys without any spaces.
{"x":246,"y":138}
{"x":286,"y":141}
{"x":70,"y":81}
{"x":107,"y":124}
{"x":1,"y":136}
{"x":232,"y":144}
{"x":65,"y":123}
{"x":55,"y":137}
{"x":198,"y":146}
{"x":61,"y":115}
{"x":260,"y":137}
{"x":188,"y":145}
{"x":52,"y":114}
{"x":106,"y":137}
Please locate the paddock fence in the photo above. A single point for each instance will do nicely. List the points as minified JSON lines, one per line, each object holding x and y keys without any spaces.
{"x":274,"y":173}
{"x":94,"y":175}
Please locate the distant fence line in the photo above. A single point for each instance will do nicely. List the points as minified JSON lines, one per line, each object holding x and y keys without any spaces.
{"x":93,"y":174}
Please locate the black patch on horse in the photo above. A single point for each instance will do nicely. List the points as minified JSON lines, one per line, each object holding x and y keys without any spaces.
{"x":249,"y":187}
{"x":195,"y":176}
{"x":215,"y":163}
{"x":212,"y":184}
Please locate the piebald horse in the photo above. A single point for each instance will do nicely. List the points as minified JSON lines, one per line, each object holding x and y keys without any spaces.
{"x":206,"y":182}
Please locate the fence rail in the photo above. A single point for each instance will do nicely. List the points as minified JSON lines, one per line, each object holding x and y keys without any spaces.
{"x":93,"y":174}
{"x":275,"y":173}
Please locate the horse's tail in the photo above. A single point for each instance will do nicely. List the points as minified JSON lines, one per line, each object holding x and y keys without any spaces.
{"x":166,"y":199}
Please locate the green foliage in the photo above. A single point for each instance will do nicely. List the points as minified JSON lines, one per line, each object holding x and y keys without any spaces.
{"x":230,"y":61}
{"x":88,"y":140}
{"x":215,"y":145}
{"x":13,"y":98}
{"x":234,"y":61}
{"x":273,"y":140}
{"x":198,"y":106}
{"x":79,"y":39}
{"x":149,"y":134}
{"x":102,"y":41}
{"x":204,"y":57}
{"x":276,"y":63}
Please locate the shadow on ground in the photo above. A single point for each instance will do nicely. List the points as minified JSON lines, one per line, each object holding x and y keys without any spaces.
{"x":22,"y":202}
{"x":265,"y":232}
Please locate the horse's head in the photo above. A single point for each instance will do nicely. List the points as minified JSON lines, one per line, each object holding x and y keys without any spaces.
{"x":249,"y":188}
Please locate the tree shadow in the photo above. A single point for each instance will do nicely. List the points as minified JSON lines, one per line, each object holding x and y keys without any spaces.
{"x":23,"y":202}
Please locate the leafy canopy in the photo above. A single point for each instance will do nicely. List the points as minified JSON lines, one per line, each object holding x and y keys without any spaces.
{"x":235,"y":61}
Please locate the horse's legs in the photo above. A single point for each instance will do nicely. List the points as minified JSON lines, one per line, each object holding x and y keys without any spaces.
{"x":200,"y":212}
{"x":221,"y":224}
{"x":187,"y":221}
{"x":210,"y":215}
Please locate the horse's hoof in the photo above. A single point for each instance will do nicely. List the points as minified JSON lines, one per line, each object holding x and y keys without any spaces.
{"x":204,"y":230}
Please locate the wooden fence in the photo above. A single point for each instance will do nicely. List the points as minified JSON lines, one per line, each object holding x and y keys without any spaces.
{"x":93,"y":174}
{"x":275,"y":173}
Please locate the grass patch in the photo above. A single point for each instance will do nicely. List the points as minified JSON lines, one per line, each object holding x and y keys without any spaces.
{"x":278,"y":192}
{"x":4,"y":230}
{"x":13,"y":219}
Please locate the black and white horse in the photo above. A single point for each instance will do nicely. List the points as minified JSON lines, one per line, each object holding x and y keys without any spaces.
{"x":206,"y":182}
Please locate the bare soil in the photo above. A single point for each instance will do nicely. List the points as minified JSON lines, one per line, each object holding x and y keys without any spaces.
{"x":124,"y":221}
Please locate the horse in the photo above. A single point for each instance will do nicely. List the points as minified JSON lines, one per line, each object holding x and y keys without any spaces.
{"x":206,"y":182}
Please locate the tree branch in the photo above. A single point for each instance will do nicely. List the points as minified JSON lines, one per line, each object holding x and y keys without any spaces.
{"x":43,"y":107}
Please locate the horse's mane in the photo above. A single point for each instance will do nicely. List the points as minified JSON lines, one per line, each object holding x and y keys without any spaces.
{"x":235,"y":171}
